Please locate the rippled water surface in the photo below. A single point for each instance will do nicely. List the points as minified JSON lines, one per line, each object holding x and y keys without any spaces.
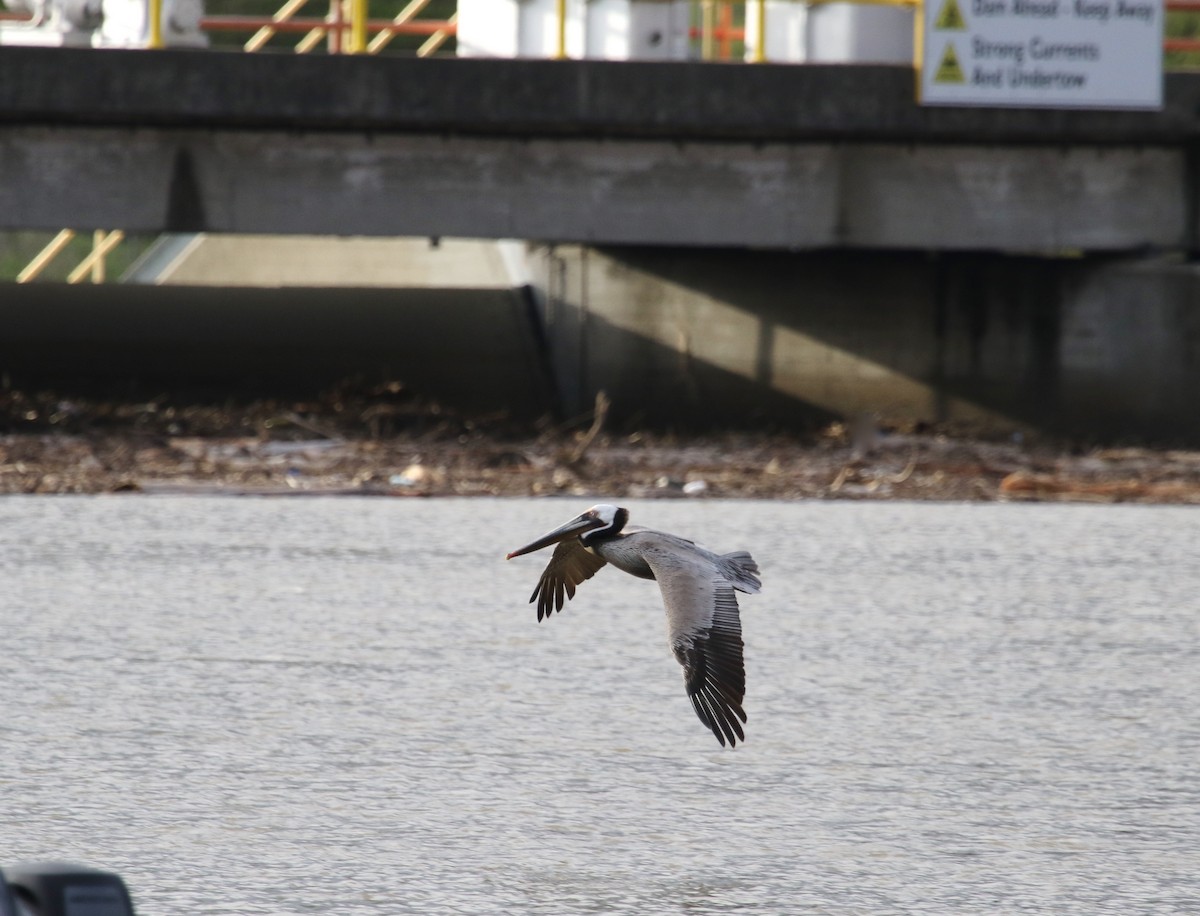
{"x":308,"y":705}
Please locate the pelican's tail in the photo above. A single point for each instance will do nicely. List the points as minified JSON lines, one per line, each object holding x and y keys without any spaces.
{"x":741,"y":571}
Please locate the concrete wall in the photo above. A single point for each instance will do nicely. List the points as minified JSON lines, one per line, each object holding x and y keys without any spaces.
{"x":1130,"y":348}
{"x":1103,"y":350}
{"x":206,"y":259}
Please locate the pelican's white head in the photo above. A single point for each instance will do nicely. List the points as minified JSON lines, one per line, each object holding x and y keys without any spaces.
{"x":604,"y":512}
{"x":608,"y":522}
{"x":599,"y":521}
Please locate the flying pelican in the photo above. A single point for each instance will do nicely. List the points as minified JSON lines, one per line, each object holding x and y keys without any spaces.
{"x":697,"y":588}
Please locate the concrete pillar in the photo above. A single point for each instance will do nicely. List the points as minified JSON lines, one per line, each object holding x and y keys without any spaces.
{"x":1130,"y":350}
{"x":731,"y":337}
{"x":1096,"y":349}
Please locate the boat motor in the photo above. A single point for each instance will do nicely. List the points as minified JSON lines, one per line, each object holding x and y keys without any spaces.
{"x":63,"y":889}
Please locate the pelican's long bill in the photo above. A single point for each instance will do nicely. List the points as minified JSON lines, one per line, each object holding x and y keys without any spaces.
{"x":574,"y":527}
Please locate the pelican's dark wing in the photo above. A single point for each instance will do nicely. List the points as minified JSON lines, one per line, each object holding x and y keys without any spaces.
{"x":706,"y":637}
{"x":571,"y":564}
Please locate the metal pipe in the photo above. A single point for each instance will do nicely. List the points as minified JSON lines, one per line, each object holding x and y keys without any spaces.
{"x":46,"y":255}
{"x":358,"y":27}
{"x":265,"y":34}
{"x":380,"y":41}
{"x":155,"y":37}
{"x":760,"y":50}
{"x":918,"y":46}
{"x":308,"y":23}
{"x":94,"y":262}
{"x":435,"y":40}
{"x":311,"y":40}
{"x":726,"y":26}
{"x":561,"y":11}
{"x":707,"y":25}
{"x":336,"y":20}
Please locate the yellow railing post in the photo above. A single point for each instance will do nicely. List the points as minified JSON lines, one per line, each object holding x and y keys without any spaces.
{"x":358,"y":26}
{"x":760,"y":50}
{"x":561,"y":12}
{"x":154,"y":38}
{"x":918,"y":39}
{"x":708,"y":16}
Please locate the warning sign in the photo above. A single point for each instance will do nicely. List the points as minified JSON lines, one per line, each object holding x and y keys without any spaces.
{"x":949,"y":17}
{"x":948,"y":70}
{"x":1050,"y":53}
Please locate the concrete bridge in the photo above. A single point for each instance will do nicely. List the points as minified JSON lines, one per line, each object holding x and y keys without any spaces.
{"x":708,"y":243}
{"x":599,"y":152}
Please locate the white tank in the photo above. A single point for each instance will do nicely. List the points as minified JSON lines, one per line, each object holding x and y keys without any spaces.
{"x":603,"y":29}
{"x":843,"y":33}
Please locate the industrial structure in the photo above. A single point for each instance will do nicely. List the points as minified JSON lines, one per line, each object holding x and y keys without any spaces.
{"x":783,"y":241}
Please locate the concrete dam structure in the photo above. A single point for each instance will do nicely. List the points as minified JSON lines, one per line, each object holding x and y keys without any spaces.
{"x":711,"y":245}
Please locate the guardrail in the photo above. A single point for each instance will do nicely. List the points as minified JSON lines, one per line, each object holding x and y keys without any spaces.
{"x":93,"y":265}
{"x":1183,"y":45}
{"x":346,"y":27}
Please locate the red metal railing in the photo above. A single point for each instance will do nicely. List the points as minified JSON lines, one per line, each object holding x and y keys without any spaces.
{"x":308,"y":23}
{"x":334,"y":27}
{"x":1182,"y":44}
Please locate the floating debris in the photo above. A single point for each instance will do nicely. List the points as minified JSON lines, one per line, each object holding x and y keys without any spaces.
{"x":162,"y":445}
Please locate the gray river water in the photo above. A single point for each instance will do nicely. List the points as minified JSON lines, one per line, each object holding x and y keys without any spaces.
{"x":342,"y":705}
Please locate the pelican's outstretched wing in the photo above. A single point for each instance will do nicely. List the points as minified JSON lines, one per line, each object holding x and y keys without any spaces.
{"x":706,"y":637}
{"x":571,"y":564}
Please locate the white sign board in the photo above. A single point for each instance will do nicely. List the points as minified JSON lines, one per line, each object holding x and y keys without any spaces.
{"x":1049,"y":53}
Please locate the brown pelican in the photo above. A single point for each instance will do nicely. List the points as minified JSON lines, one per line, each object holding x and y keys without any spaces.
{"x":697,"y":588}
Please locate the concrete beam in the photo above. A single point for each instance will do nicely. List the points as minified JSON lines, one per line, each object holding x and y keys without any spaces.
{"x":696,"y":193}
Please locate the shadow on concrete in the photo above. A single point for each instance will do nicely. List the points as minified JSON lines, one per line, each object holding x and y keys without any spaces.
{"x":475,"y":351}
{"x":840,"y":332}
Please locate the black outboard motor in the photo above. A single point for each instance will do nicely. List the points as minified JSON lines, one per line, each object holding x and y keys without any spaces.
{"x":65,"y":889}
{"x":7,"y":906}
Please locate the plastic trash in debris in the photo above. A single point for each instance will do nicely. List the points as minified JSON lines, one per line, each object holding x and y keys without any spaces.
{"x":694,"y":487}
{"x":415,"y":475}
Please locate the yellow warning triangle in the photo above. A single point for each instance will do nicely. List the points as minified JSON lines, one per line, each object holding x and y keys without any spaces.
{"x":948,"y":70}
{"x":950,"y":16}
